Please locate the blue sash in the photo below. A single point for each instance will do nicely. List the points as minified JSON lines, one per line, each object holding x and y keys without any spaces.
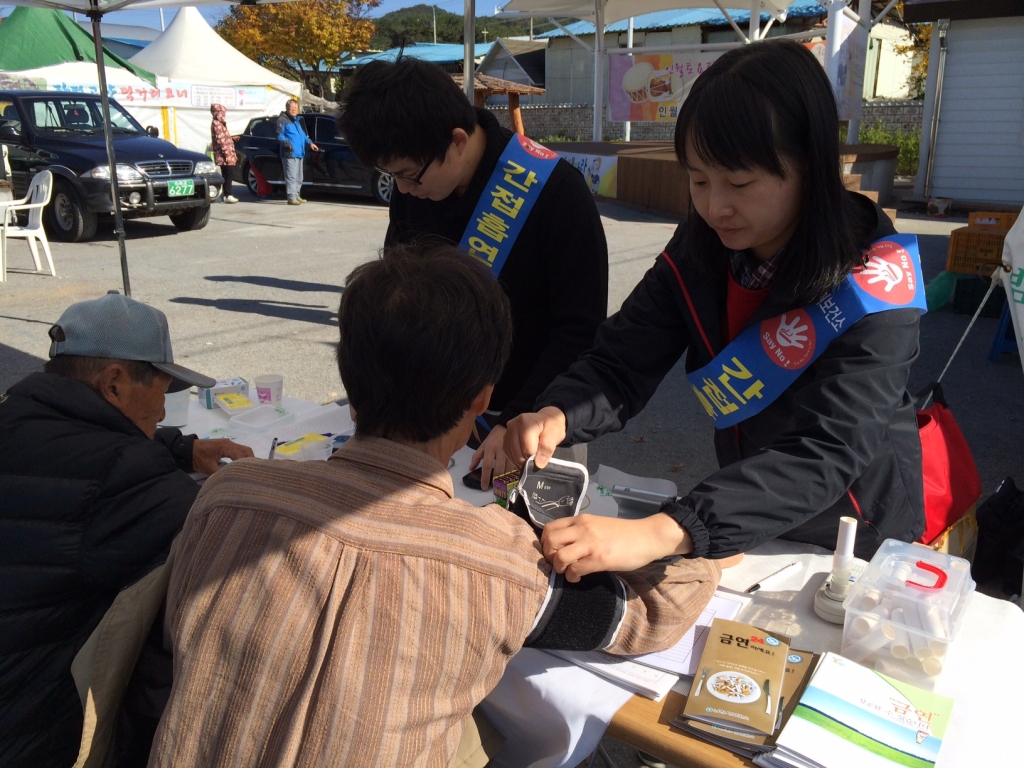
{"x":522,"y":171}
{"x":761,"y":363}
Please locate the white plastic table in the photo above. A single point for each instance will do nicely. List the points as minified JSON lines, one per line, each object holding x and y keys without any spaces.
{"x":554,"y":713}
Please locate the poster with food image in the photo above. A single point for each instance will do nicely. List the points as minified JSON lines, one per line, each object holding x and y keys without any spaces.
{"x":651,"y":88}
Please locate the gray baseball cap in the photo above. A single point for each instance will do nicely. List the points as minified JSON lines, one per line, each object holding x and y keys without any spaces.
{"x":119,"y":327}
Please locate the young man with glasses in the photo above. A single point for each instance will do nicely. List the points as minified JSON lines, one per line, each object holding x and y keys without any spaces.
{"x":463,"y":179}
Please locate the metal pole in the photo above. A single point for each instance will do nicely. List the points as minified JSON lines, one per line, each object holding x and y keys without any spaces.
{"x":627,"y":129}
{"x":755,"y":20}
{"x":162,"y":26}
{"x":599,"y":69}
{"x":833,"y":41}
{"x":108,"y":135}
{"x":433,"y":10}
{"x":862,"y":32}
{"x":933,"y":134}
{"x":469,"y":52}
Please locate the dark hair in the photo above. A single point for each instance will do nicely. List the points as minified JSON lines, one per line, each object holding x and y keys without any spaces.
{"x":756,"y":107}
{"x":85,"y":368}
{"x":404,"y":109}
{"x":423,"y":330}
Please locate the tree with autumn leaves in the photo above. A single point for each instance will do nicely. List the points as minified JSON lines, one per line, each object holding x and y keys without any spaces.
{"x":303,"y":40}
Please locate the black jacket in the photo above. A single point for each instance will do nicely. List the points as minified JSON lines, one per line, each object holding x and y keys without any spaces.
{"x":842,"y":440}
{"x":556,"y":276}
{"x":88,"y":505}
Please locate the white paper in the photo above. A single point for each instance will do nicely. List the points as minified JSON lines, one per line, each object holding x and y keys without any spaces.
{"x":684,"y":657}
{"x":647,"y":681}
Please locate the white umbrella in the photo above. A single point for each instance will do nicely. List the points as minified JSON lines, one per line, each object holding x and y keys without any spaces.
{"x":95,"y":9}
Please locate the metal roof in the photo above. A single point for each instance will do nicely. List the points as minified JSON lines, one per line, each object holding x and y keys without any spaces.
{"x":439,"y":53}
{"x":705,"y":17}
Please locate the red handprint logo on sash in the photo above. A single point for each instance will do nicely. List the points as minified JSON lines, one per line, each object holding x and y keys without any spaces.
{"x":887,"y":274}
{"x":789,"y":339}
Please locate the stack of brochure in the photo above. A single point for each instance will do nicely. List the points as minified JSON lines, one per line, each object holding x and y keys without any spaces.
{"x":853,"y":717}
{"x":740,"y":693}
{"x":654,"y":675}
{"x":799,"y":665}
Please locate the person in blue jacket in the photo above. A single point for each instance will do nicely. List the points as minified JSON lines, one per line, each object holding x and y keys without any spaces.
{"x":294,"y":140}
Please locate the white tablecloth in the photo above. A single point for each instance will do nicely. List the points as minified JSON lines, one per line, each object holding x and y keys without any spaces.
{"x":553,"y":713}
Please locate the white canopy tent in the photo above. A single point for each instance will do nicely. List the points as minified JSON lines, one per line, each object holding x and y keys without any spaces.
{"x":95,"y":9}
{"x":194,"y":58}
{"x":602,"y":12}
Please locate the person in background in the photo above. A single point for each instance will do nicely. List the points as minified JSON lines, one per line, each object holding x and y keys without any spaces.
{"x":223,"y":149}
{"x":353,"y":612}
{"x":91,"y":494}
{"x":771,"y":238}
{"x":293,"y":140}
{"x":411,"y":120}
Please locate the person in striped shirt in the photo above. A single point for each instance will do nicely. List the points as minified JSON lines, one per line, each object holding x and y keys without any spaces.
{"x":353,"y":612}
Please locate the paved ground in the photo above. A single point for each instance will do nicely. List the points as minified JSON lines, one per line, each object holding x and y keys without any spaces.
{"x":257,"y":291}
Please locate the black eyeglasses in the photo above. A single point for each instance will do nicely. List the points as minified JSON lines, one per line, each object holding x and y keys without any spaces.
{"x":414,"y":180}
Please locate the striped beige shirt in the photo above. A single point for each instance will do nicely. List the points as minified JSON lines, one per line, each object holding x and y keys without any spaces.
{"x":353,"y":612}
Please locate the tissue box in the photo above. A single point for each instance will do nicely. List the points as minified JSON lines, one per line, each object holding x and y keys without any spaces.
{"x":905,"y":611}
{"x":236,"y":385}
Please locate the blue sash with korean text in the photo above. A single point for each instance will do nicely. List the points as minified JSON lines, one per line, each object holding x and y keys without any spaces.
{"x":522,"y":171}
{"x":760,"y":364}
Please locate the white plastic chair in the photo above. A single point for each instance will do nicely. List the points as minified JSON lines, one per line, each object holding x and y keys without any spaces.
{"x":37,"y":198}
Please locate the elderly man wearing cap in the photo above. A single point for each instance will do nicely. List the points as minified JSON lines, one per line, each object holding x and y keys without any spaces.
{"x":92,"y":493}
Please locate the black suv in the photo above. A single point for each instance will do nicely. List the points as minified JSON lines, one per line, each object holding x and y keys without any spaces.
{"x":333,"y":169}
{"x":63,"y":133}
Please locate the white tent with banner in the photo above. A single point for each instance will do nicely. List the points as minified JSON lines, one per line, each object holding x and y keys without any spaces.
{"x":95,"y":10}
{"x":139,"y":96}
{"x":200,"y":68}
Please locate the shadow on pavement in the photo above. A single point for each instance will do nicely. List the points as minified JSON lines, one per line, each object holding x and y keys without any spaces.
{"x":275,"y":282}
{"x":281,"y":310}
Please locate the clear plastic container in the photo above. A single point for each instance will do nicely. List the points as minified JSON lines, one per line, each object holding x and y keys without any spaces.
{"x":263,"y":417}
{"x":905,"y":611}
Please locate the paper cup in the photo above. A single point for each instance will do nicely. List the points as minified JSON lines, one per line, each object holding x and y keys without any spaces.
{"x":176,"y":408}
{"x":269,"y":388}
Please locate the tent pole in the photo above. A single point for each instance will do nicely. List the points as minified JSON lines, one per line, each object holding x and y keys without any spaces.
{"x":627,"y":127}
{"x":108,"y":135}
{"x":863,"y":33}
{"x":755,"y":21}
{"x":599,"y":69}
{"x":469,"y":49}
{"x":833,"y":41}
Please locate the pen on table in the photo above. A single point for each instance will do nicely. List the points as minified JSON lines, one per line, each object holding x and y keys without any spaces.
{"x":754,"y":587}
{"x":273,"y":447}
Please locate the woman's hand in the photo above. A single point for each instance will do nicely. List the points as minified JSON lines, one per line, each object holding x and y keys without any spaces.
{"x":586,"y":544}
{"x":491,"y":458}
{"x":535,"y":433}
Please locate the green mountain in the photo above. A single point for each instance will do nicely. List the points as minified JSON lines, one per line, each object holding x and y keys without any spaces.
{"x":416,"y":25}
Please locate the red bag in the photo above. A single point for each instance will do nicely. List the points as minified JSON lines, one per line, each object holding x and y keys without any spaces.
{"x":951,"y":481}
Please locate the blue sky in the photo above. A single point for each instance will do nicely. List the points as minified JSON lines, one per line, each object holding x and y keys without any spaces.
{"x":151,"y":18}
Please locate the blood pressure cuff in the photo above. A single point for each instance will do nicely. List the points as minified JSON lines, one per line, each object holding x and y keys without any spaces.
{"x":584,"y":616}
{"x":551,"y":493}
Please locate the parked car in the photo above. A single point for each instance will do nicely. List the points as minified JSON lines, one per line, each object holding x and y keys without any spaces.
{"x":63,"y":133}
{"x":333,"y":169}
